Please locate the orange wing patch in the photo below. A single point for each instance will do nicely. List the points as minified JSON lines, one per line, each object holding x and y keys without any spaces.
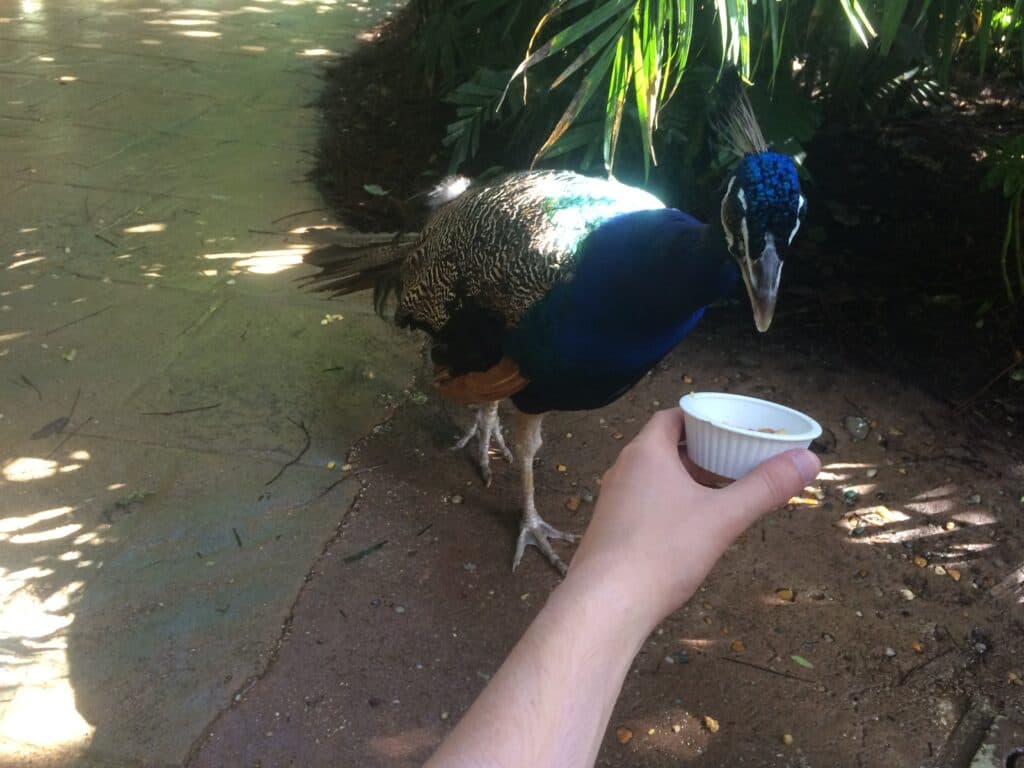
{"x":496,"y":383}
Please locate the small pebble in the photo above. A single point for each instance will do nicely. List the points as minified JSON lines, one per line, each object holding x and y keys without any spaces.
{"x":871,"y":473}
{"x":851,"y":497}
{"x":587,"y":495}
{"x":678,"y":657}
{"x":572,"y":503}
{"x":1014,"y":679}
{"x":330,"y":465}
{"x":676,"y":727}
{"x":457,"y":498}
{"x":787,"y":739}
{"x":616,"y":435}
{"x":890,"y":652}
{"x":399,"y":609}
{"x":737,"y":646}
{"x":650,"y":731}
{"x":954,"y":574}
{"x":687,"y":380}
{"x":786,"y":595}
{"x":974,"y":498}
{"x":907,"y":594}
{"x":950,"y":526}
{"x":920,"y":562}
{"x":939,"y":570}
{"x":859,"y":530}
{"x":623,"y":734}
{"x":562,"y":468}
{"x":346,"y":467}
{"x":916,"y":645}
{"x":711,"y":724}
{"x":857,"y":426}
{"x":445,"y":715}
{"x":828,"y":638}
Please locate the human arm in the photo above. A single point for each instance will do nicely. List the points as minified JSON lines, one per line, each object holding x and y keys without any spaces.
{"x":655,"y":535}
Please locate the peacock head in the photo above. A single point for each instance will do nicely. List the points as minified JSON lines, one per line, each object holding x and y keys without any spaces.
{"x":763,"y":205}
{"x":761,"y":214}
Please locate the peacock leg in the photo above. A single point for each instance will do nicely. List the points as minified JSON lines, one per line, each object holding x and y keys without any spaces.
{"x":487,"y":427}
{"x":533,"y":529}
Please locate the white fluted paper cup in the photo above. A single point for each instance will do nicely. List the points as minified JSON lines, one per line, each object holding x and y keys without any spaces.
{"x":731,"y":434}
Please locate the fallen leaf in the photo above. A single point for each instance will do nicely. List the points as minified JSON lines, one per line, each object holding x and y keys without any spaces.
{"x":51,"y":428}
{"x":375,"y":189}
{"x":711,"y":724}
{"x":785,"y":594}
{"x":916,"y":645}
{"x":954,"y":574}
{"x":623,"y":734}
{"x":70,"y":355}
{"x":802,"y":661}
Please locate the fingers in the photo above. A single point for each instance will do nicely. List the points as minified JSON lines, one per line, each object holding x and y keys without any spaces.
{"x":771,"y":484}
{"x":664,"y":427}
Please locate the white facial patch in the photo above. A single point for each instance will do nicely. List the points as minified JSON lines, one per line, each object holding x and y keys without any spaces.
{"x":746,"y":237}
{"x":796,"y":227}
{"x":728,"y":235}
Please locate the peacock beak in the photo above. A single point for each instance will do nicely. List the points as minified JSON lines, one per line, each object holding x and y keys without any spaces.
{"x":762,"y":278}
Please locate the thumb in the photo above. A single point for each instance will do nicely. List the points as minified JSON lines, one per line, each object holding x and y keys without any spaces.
{"x":771,"y":484}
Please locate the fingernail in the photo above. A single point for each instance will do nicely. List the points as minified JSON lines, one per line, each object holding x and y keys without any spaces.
{"x":807,"y":465}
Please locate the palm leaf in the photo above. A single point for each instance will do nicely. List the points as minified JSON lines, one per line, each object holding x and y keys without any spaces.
{"x":595,"y":46}
{"x":987,"y":9}
{"x":892,"y":17}
{"x":618,"y":86}
{"x":859,"y":21}
{"x":579,"y":100}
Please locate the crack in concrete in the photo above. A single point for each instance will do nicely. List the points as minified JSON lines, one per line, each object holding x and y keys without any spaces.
{"x":239,"y":694}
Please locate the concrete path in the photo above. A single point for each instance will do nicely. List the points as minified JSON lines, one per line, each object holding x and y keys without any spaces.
{"x":175,"y":416}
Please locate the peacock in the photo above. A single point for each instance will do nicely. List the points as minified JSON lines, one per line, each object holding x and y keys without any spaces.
{"x":560,"y":291}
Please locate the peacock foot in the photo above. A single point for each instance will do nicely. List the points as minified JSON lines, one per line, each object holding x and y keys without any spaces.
{"x":539,"y":533}
{"x":487,"y":428}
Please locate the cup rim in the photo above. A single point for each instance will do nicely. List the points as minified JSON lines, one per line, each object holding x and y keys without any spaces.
{"x":813,"y":431}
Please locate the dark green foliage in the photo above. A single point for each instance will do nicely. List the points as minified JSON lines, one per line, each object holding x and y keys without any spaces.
{"x":1007,"y":174}
{"x":587,"y":68}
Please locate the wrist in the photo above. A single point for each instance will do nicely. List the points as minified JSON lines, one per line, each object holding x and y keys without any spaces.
{"x":611,"y":600}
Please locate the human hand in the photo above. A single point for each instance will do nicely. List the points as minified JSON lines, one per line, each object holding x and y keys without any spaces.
{"x":657,"y":532}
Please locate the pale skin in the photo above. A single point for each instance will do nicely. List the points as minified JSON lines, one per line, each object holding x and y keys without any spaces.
{"x":655,"y":534}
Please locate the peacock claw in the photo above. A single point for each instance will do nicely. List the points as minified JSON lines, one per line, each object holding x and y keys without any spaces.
{"x":536,"y":531}
{"x":487,"y":428}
